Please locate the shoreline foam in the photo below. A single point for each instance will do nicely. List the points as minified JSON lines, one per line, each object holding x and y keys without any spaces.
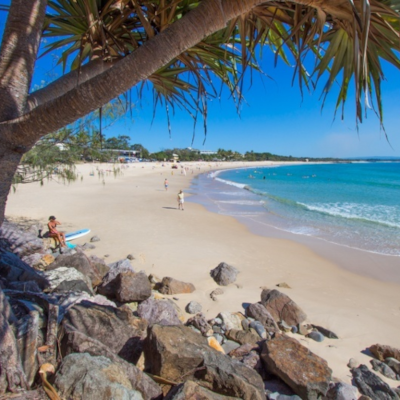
{"x":134,"y":214}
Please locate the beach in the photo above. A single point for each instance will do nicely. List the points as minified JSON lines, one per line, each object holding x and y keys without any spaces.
{"x":132,"y":213}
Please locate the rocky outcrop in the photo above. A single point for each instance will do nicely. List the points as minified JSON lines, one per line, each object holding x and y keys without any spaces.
{"x":81,"y":263}
{"x":109,"y":284}
{"x":282,"y":307}
{"x":224,"y":274}
{"x":381,"y":352}
{"x":342,"y":391}
{"x":160,"y":312}
{"x":131,"y":286}
{"x":116,"y":328}
{"x":173,"y":286}
{"x":178,"y":353}
{"x":101,"y":267}
{"x":371,"y":385}
{"x":82,"y":376}
{"x":261,"y":314}
{"x":384,"y":369}
{"x":303,"y":371}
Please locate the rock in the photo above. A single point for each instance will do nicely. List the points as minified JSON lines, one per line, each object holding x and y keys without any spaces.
{"x":260,"y":313}
{"x":224,"y":274}
{"x":219,"y":338}
{"x":173,"y":286}
{"x":29,"y":286}
{"x":394,"y":364}
{"x":131,"y":286}
{"x":353,"y":363}
{"x":317,"y":336}
{"x":229,"y":345}
{"x":384,"y":369}
{"x":68,"y":279}
{"x":230,"y":320}
{"x":326,"y":332}
{"x":38,"y":261}
{"x":253,"y":360}
{"x":342,"y":391}
{"x":116,"y":328}
{"x":192,"y":391}
{"x":216,"y":292}
{"x":281,"y":307}
{"x":77,"y":342}
{"x":259,"y":328}
{"x":193,"y":307}
{"x":177,"y":353}
{"x":215,"y":344}
{"x":158,"y":312}
{"x":108,"y":286}
{"x":88,"y":246}
{"x":99,"y":264}
{"x":82,"y":376}
{"x":371,"y":385}
{"x":81,"y":263}
{"x":130,"y":257}
{"x":283,"y":285}
{"x":199,"y":322}
{"x":13,"y":269}
{"x":243,"y":337}
{"x":307,"y":374}
{"x":284,"y":326}
{"x":302,"y":329}
{"x":275,"y":385}
{"x":95,"y":239}
{"x":242,"y":350}
{"x":381,"y":352}
{"x":278,"y":396}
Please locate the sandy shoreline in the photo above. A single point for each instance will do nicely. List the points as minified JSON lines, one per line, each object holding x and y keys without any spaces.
{"x":132,"y":213}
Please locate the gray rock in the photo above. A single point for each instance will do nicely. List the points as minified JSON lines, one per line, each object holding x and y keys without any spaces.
{"x":342,"y":391}
{"x":384,"y":369}
{"x":131,"y":286}
{"x":88,"y":246}
{"x":278,"y":396}
{"x":371,"y":385}
{"x":193,"y":307}
{"x":68,"y":279}
{"x":230,"y":320}
{"x":130,"y":257}
{"x":230,"y":345}
{"x":353,"y":363}
{"x":82,"y":376}
{"x":173,"y":286}
{"x":282,"y":307}
{"x":307,"y":374}
{"x":317,"y":336}
{"x":116,"y":328}
{"x":177,"y":353}
{"x":13,"y":269}
{"x":244,"y":337}
{"x":260,"y":313}
{"x":81,"y":263}
{"x":199,"y":322}
{"x":224,"y":274}
{"x":259,"y":328}
{"x":158,"y":312}
{"x":219,"y":338}
{"x":109,"y":284}
{"x":326,"y":332}
{"x":100,"y":265}
{"x":394,"y":364}
{"x":95,"y":239}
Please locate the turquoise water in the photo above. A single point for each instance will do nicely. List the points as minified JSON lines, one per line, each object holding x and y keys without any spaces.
{"x":355,"y":204}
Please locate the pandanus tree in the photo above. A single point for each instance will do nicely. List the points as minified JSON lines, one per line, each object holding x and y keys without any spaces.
{"x":181,"y":48}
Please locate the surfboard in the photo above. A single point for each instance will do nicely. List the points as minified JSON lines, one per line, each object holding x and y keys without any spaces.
{"x":76,"y":234}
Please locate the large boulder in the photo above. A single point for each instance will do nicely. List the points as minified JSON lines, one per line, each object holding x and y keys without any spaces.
{"x":99,"y":264}
{"x":109,"y":284}
{"x":68,"y":279}
{"x":116,"y":328}
{"x":261,"y":314}
{"x":160,"y":312}
{"x":173,"y":286}
{"x":243,"y":337}
{"x":13,"y":269}
{"x":307,"y":374}
{"x":83,"y":377}
{"x":131,"y":286}
{"x":224,"y":274}
{"x":342,"y":391}
{"x":192,"y":391}
{"x":381,"y":352}
{"x":282,"y":307}
{"x":177,"y":353}
{"x":77,"y":342}
{"x":81,"y":263}
{"x":371,"y":385}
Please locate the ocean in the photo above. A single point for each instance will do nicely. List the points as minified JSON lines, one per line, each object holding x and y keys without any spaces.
{"x":351,"y":204}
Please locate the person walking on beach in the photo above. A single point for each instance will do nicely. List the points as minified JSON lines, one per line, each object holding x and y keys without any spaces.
{"x":54,"y":233}
{"x":166,"y":184}
{"x":181,"y":200}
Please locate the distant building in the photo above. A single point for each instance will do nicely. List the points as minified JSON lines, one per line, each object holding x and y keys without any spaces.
{"x":208,"y":152}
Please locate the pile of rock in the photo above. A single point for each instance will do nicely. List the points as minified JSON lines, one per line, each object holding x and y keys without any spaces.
{"x":79,"y":328}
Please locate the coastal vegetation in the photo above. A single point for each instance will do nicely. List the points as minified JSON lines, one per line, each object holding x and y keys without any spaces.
{"x":183,"y":49}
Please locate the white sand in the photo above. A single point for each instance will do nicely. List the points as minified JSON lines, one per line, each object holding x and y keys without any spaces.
{"x":132,"y":213}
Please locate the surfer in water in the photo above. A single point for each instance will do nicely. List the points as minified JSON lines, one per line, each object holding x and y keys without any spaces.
{"x":54,"y":233}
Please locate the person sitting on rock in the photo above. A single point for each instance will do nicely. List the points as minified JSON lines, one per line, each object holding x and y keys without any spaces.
{"x":54,"y":233}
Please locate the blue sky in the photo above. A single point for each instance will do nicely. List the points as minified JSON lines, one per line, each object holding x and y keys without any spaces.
{"x":275,"y":118}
